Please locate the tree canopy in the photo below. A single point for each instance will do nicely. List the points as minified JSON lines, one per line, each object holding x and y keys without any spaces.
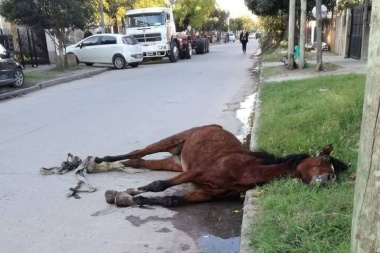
{"x":48,"y":14}
{"x":216,"y":21}
{"x":192,"y":12}
{"x":57,"y":17}
{"x":270,"y":8}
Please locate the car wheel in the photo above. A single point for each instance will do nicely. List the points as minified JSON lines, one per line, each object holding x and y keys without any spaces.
{"x":89,"y":63}
{"x":18,"y":79}
{"x":174,"y":53}
{"x":135,"y":64}
{"x":119,"y":62}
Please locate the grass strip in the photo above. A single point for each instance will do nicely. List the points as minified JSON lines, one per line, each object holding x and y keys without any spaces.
{"x":302,"y":116}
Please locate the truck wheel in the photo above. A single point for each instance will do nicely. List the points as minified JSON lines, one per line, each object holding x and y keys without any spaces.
{"x":174,"y":54}
{"x":207,"y":46}
{"x":189,"y":50}
{"x":198,"y":48}
{"x":202,"y":46}
{"x":119,"y":61}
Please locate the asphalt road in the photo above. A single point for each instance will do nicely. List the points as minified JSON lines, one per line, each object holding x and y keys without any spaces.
{"x":109,"y":114}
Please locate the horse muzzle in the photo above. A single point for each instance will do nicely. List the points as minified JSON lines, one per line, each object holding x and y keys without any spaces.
{"x":323,"y":179}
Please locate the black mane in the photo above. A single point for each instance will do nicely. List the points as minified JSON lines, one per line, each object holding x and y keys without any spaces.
{"x":294,"y":159}
{"x":291,"y":160}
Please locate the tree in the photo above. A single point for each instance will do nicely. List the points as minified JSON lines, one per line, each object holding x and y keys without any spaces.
{"x":366,"y":216}
{"x":192,"y":12}
{"x":149,"y":3}
{"x":57,"y":17}
{"x":216,"y":21}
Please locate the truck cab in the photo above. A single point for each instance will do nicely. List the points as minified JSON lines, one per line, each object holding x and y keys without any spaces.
{"x":155,"y":30}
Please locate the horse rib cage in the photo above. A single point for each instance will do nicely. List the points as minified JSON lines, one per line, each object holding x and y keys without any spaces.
{"x":148,"y":37}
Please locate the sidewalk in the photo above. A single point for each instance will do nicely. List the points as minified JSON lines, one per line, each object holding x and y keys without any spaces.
{"x":346,"y":66}
{"x":9,"y":92}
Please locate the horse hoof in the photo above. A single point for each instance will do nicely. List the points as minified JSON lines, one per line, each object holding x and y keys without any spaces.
{"x":110,"y":196}
{"x":123,"y":199}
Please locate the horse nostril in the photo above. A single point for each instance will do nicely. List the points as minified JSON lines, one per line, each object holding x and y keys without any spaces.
{"x":331,"y":177}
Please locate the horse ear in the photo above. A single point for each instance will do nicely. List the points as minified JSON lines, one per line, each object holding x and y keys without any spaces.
{"x":326,"y":150}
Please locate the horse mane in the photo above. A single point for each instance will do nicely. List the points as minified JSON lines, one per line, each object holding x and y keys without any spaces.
{"x":294,"y":159}
{"x":291,"y":160}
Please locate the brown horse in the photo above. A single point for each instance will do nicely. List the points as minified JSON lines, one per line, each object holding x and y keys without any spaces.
{"x":218,"y":164}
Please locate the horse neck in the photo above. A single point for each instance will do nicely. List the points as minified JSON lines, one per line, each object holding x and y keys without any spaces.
{"x":260,"y":174}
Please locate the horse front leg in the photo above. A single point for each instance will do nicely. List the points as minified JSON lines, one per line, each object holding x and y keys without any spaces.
{"x":115,"y":197}
{"x":200,"y":195}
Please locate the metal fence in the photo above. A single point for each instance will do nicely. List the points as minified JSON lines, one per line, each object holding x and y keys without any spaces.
{"x":29,"y":46}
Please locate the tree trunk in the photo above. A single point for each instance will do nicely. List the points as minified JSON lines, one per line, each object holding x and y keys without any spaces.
{"x":292,"y":17}
{"x":365,"y":233}
{"x":302,"y":34}
{"x":318,"y":4}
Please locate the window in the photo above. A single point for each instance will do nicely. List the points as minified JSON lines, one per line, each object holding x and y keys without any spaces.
{"x":130,"y":40}
{"x":90,"y":41}
{"x":106,"y":40}
{"x":146,"y":19}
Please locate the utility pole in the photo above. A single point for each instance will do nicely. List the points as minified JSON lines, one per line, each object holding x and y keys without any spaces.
{"x":318,"y":6}
{"x":292,"y":23}
{"x":302,"y":34}
{"x":101,"y":15}
{"x":366,"y":216}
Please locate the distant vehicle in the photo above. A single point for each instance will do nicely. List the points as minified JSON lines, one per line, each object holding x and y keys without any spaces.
{"x":155,"y":30}
{"x":252,"y":36}
{"x":10,"y":70}
{"x":325,"y":46}
{"x":231,"y":36}
{"x":117,"y":49}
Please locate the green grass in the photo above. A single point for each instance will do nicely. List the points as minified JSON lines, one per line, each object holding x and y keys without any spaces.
{"x":303,"y":116}
{"x":38,"y":76}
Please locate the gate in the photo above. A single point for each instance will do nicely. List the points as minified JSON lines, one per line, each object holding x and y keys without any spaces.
{"x":29,"y":46}
{"x":356,"y":32}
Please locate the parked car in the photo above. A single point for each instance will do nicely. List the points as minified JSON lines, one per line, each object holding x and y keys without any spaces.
{"x":231,"y":36}
{"x":118,"y":49}
{"x":325,"y":46}
{"x":11,"y":72}
{"x":252,"y":36}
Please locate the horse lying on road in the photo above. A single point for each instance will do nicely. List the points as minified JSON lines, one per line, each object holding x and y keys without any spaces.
{"x":218,"y":164}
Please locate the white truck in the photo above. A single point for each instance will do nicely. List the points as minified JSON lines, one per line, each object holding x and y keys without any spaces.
{"x":155,"y":30}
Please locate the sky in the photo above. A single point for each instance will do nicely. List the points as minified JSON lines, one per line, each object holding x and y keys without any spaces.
{"x":235,"y":7}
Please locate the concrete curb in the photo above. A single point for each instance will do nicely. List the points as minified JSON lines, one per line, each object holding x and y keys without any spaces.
{"x":250,"y":208}
{"x":53,"y":82}
{"x":249,"y":214}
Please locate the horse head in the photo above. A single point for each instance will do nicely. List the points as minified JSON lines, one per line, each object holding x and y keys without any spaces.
{"x":318,"y":169}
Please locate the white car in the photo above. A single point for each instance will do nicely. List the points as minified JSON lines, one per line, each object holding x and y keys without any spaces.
{"x":231,"y":36}
{"x":118,"y":49}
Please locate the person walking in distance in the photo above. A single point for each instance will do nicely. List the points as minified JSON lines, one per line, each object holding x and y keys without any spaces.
{"x":244,"y":39}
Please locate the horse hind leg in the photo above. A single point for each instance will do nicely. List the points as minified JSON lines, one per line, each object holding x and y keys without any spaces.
{"x":172,"y":163}
{"x":172,"y":144}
